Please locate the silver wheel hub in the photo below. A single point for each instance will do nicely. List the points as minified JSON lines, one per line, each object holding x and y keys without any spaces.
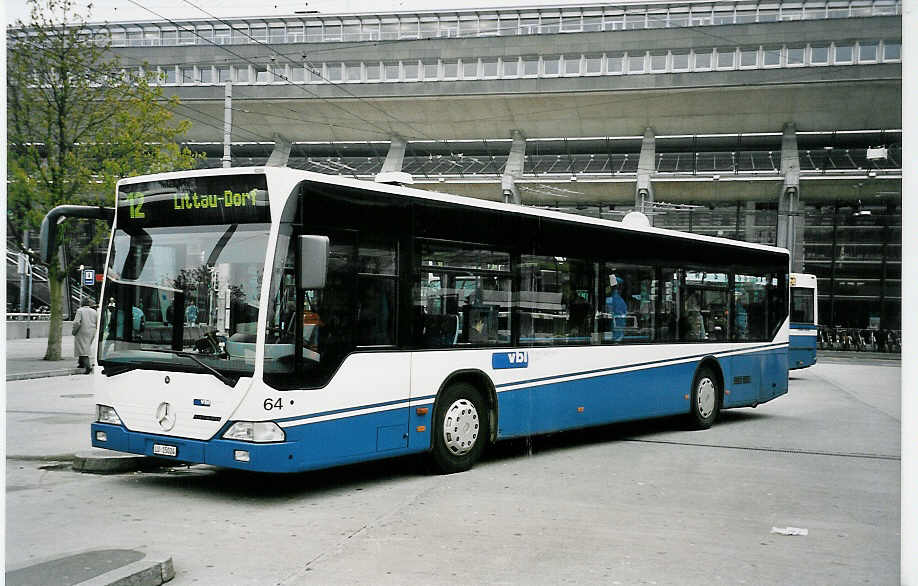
{"x":707,"y":397}
{"x":460,"y":427}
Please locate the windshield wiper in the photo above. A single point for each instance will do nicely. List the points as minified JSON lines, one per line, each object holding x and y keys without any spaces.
{"x":227,"y":380}
{"x":116,"y":369}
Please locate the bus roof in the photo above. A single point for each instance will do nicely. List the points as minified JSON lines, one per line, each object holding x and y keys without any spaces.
{"x":805,"y":280}
{"x":449,"y":198}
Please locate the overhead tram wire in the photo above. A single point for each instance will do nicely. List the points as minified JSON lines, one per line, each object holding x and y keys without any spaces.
{"x":267,"y":114}
{"x":256,"y":64}
{"x":247,"y":60}
{"x":106,"y":72}
{"x":313,"y":69}
{"x":700,"y":29}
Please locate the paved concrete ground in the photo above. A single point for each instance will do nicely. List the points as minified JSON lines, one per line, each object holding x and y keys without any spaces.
{"x":629,"y":504}
{"x":24,"y":359}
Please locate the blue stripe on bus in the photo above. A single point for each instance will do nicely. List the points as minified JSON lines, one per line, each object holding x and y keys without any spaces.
{"x":357,"y":408}
{"x":321,"y":444}
{"x":624,"y":396}
{"x":795,"y":326}
{"x":551,"y":406}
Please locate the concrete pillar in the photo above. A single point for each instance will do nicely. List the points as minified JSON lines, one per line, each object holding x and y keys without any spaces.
{"x":789,"y":209}
{"x":749,"y":232}
{"x":647,"y":164}
{"x":514,"y":168}
{"x":281,"y":153}
{"x":227,"y":123}
{"x":396,"y":155}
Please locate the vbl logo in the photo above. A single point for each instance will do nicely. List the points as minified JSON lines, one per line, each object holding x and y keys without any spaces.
{"x":500,"y":360}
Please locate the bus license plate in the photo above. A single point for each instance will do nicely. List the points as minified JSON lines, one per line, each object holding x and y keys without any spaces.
{"x":162,"y":450}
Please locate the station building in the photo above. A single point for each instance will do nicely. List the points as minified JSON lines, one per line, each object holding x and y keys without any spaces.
{"x":770,"y":122}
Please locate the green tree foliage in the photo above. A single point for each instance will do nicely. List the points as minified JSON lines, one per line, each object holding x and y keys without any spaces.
{"x":76,"y":124}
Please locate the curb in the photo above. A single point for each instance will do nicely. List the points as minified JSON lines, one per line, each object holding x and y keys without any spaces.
{"x":153,"y":570}
{"x":149,"y":569}
{"x":43,"y":374}
{"x":102,"y":461}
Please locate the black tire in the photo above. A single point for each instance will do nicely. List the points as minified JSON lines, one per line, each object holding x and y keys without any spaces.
{"x":706,"y":399}
{"x":460,"y":429}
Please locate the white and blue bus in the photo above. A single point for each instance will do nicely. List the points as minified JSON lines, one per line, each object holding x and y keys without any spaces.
{"x":804,"y":321}
{"x":277,"y":320}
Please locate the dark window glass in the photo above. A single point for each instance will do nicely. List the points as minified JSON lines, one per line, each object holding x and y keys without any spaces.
{"x":802,"y":305}
{"x":705,"y":309}
{"x":356,"y":309}
{"x":776,"y":289}
{"x":628,"y":299}
{"x":462,"y":296}
{"x":668,"y":308}
{"x":750,"y":294}
{"x":557,"y":301}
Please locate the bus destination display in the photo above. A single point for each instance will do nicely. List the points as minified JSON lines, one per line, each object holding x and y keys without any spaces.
{"x":194,"y":201}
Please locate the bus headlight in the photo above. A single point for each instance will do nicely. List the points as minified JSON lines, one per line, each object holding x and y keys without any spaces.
{"x":255,"y":431}
{"x":106,"y":414}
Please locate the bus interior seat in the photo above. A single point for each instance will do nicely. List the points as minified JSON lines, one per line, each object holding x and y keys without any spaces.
{"x":441,"y":330}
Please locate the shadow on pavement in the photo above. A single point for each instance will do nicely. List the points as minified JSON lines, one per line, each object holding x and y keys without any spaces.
{"x":234,"y":484}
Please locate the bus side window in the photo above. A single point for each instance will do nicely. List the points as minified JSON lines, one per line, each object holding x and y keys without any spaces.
{"x":462,"y":296}
{"x":377,"y":273}
{"x":669,"y":309}
{"x":750,"y":314}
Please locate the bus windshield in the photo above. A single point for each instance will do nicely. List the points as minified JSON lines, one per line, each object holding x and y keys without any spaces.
{"x":183,"y":281}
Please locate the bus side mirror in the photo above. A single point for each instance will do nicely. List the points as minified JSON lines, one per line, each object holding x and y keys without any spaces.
{"x":313,"y":262}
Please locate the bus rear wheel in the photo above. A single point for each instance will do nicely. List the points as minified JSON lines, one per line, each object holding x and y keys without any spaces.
{"x":705,"y":399}
{"x":460,"y":429}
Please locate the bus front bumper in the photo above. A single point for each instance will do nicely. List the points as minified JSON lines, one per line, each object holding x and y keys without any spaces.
{"x":268,"y":457}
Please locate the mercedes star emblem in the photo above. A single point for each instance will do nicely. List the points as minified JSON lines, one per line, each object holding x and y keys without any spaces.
{"x":165,"y":416}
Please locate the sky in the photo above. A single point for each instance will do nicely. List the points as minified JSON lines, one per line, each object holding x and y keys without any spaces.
{"x":119,"y":10}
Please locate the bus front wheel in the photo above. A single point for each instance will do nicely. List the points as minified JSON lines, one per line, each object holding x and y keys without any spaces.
{"x":705,"y":399}
{"x":460,"y":429}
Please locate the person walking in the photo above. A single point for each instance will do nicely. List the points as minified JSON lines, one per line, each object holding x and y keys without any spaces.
{"x":84,"y":330}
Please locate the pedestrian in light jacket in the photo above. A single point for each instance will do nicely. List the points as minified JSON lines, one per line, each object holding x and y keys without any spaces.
{"x":84,"y":331}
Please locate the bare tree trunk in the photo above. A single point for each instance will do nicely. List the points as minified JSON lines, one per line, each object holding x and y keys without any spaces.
{"x":56,"y":287}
